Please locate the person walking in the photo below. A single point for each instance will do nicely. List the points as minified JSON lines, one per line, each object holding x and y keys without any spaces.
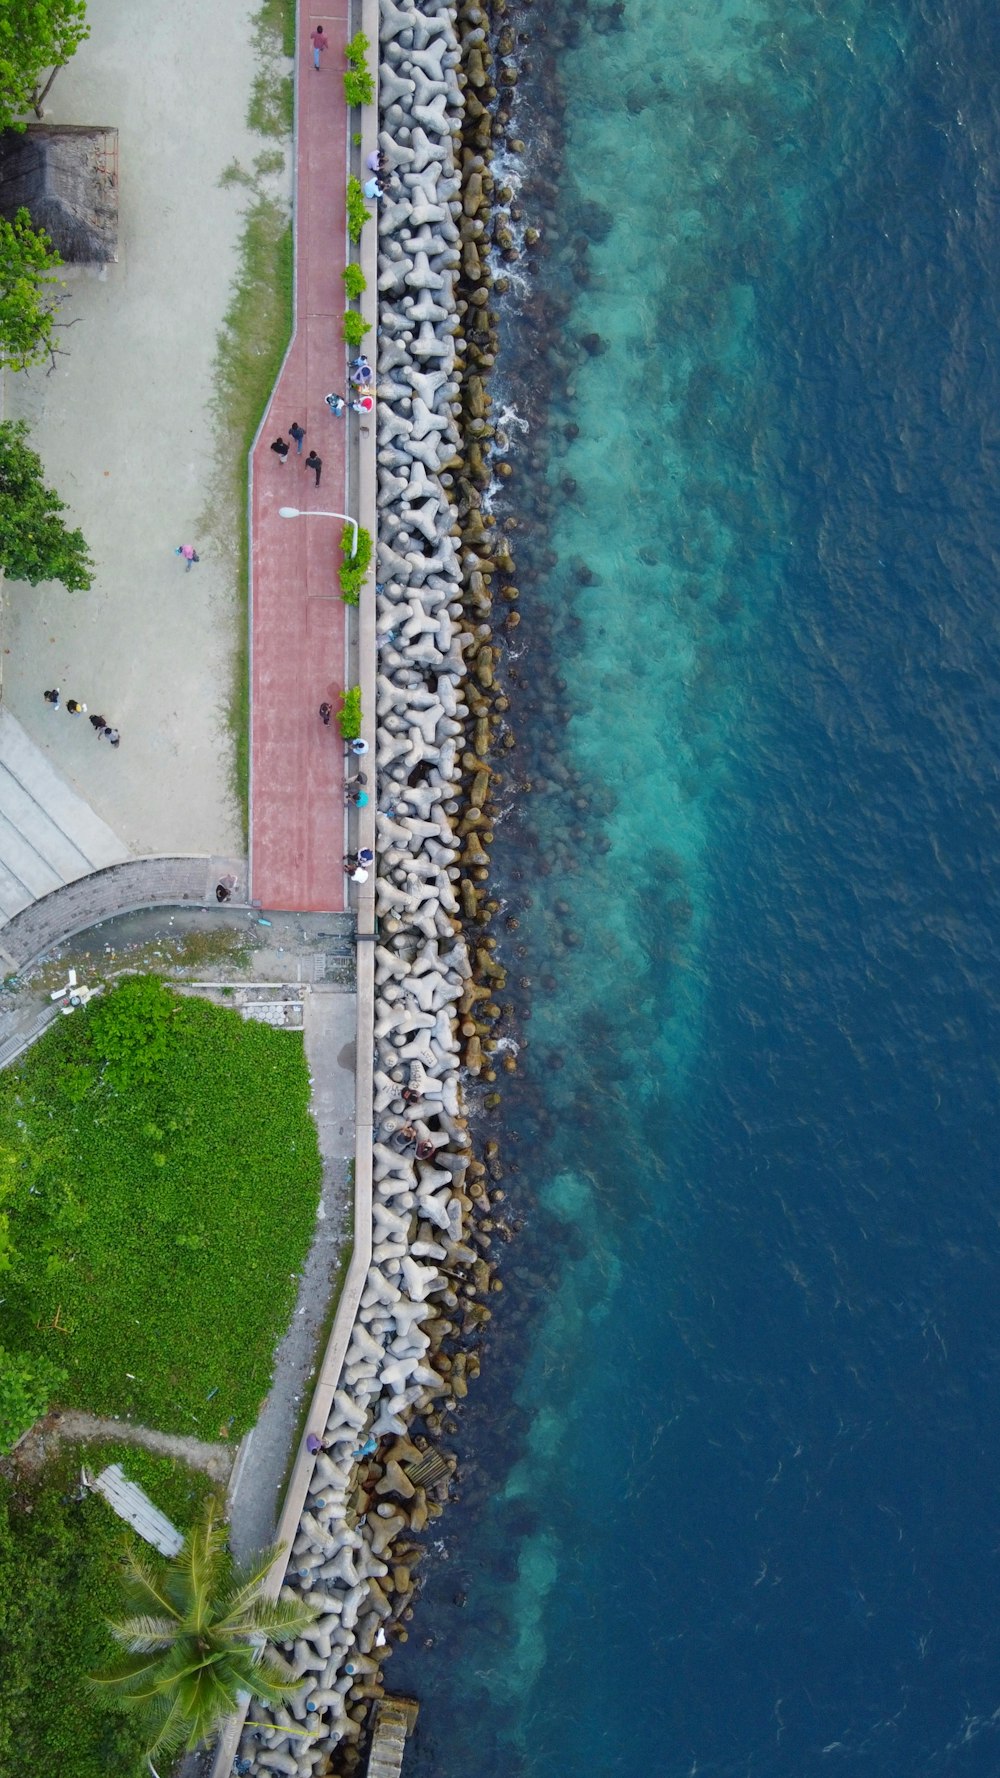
{"x":280,"y":447}
{"x":52,"y":697}
{"x":320,"y":41}
{"x":190,"y":554}
{"x":336,"y":404}
{"x":112,"y":735}
{"x":325,"y":713}
{"x":315,"y":464}
{"x":75,"y":708}
{"x":298,"y":433}
{"x":98,"y":723}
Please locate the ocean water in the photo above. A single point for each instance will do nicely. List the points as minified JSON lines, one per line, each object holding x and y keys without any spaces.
{"x":730,"y":1481}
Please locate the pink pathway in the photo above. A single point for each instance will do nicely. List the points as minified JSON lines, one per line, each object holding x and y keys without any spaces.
{"x":298,"y":629}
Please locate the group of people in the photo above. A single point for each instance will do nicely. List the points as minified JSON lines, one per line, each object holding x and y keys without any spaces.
{"x":103,"y":729}
{"x":281,"y":447}
{"x":360,"y":376}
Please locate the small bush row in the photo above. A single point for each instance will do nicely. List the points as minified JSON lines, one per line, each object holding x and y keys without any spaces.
{"x":355,"y":563}
{"x":349,"y":715}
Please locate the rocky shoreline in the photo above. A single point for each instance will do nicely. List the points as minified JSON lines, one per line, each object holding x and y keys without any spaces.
{"x":381,"y":1476}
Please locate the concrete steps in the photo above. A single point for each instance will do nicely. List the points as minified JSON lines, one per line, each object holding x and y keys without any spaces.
{"x":394,"y":1718}
{"x":48,"y":835}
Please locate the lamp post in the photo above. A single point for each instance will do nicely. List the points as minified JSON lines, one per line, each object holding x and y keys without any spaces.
{"x":292,"y":512}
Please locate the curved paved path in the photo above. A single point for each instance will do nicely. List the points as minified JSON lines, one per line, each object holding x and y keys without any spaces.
{"x":298,"y":619}
{"x":120,"y":889}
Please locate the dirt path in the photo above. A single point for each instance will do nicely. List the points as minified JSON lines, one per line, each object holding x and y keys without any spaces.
{"x":72,"y":1428}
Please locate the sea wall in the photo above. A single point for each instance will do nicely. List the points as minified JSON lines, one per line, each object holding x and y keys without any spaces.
{"x":437,"y":712}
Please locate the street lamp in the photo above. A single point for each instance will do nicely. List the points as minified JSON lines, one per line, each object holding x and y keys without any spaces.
{"x":292,"y":512}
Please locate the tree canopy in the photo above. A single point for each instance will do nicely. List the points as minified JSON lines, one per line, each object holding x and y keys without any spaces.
{"x":28,"y":304}
{"x":35,"y":544}
{"x":198,"y":1635}
{"x":35,"y":36}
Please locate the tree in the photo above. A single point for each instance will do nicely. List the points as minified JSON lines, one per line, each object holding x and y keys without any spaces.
{"x":27,"y":307}
{"x":26,"y":1387}
{"x":198,"y":1636}
{"x":35,"y":35}
{"x":34,"y":543}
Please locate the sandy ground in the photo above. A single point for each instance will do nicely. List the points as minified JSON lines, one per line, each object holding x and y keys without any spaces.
{"x":123,"y":428}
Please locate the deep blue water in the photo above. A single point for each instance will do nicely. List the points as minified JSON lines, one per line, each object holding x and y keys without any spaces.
{"x":731,"y":1498}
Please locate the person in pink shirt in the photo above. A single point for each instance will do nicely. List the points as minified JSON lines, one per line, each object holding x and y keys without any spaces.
{"x":319,"y":41}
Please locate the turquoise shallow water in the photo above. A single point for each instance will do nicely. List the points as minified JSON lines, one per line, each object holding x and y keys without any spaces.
{"x":729,"y":1501}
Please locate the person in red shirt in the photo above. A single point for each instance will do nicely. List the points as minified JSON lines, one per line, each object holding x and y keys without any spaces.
{"x":319,"y":41}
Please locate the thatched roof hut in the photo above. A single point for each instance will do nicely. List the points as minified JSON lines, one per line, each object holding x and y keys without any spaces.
{"x":66,"y":177}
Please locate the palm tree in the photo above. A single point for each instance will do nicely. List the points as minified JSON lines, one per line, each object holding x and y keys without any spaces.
{"x":199,"y":1637}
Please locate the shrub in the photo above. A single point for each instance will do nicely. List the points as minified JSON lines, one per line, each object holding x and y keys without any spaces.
{"x":26,"y":1387}
{"x":358,"y":87}
{"x":355,"y":327}
{"x":357,"y":49}
{"x":354,"y":281}
{"x":349,"y":715}
{"x":357,"y":214}
{"x":355,"y":563}
{"x":131,"y":1031}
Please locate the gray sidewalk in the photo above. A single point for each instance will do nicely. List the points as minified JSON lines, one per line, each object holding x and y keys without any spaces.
{"x":138,"y":883}
{"x":262,"y":1465}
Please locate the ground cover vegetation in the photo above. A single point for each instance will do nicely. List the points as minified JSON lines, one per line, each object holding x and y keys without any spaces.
{"x":35,"y":544}
{"x":60,"y":1579}
{"x":197,"y":1635}
{"x":37,"y":38}
{"x":160,"y":1173}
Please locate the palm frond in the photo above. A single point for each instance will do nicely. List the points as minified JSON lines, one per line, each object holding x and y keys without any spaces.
{"x":142,"y":1634}
{"x":203,"y":1565}
{"x":277,"y":1619}
{"x":172,"y":1734}
{"x":274,"y":1671}
{"x":247,"y":1580}
{"x":144,"y":1583}
{"x":128,"y":1677}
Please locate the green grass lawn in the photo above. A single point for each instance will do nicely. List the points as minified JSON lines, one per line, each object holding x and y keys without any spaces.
{"x":162,"y":1174}
{"x":58,"y":1582}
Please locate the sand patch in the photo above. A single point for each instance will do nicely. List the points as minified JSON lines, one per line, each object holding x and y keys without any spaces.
{"x":123,"y":425}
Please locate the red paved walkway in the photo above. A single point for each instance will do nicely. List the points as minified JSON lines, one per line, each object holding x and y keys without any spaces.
{"x":298,"y":617}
